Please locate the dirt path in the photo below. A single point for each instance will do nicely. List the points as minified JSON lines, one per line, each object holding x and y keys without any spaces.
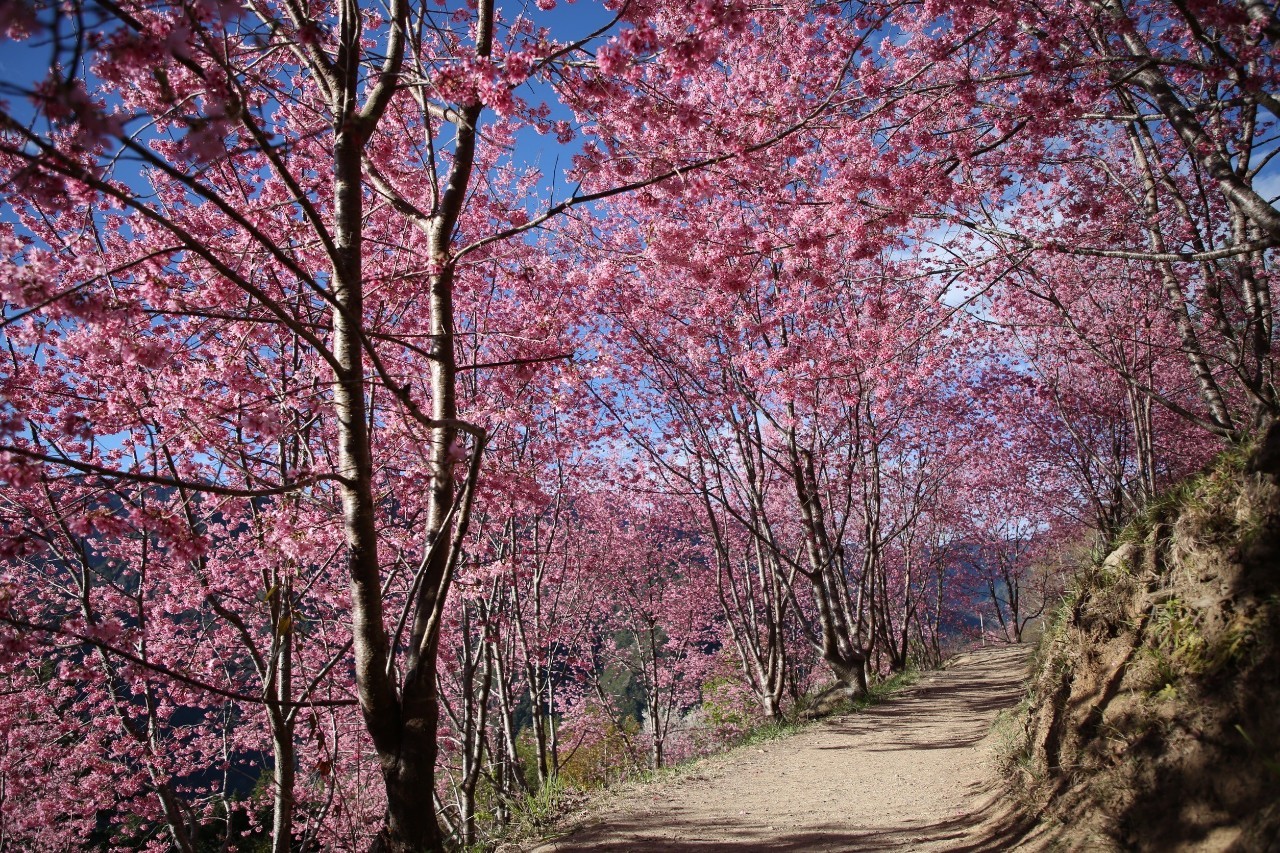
{"x":916,"y":773}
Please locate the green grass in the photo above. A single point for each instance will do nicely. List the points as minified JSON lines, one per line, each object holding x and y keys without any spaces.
{"x":883,"y":690}
{"x":1175,"y":642}
{"x":1211,"y":490}
{"x":770,"y":730}
{"x":540,"y":807}
{"x":877,"y":692}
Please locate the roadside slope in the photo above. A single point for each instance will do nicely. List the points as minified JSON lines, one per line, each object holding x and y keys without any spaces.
{"x":1154,"y":723}
{"x":917,"y":773}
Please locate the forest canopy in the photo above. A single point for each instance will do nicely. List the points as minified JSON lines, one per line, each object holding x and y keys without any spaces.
{"x":410,"y":405}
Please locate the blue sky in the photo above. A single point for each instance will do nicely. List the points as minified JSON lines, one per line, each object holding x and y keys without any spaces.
{"x":22,"y":64}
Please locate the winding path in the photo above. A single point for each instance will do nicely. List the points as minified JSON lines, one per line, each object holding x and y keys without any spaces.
{"x":917,"y":773}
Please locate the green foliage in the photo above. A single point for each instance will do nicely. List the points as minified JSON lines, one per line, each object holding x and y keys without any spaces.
{"x":627,"y":693}
{"x":1209,"y":493}
{"x":538,"y":809}
{"x":1045,"y":655}
{"x":1197,"y":491}
{"x":883,"y":689}
{"x":527,"y":755}
{"x":1179,"y":647}
{"x":605,"y":759}
{"x":1176,"y":641}
{"x":1164,"y":641}
{"x":878,"y":690}
{"x":719,"y":707}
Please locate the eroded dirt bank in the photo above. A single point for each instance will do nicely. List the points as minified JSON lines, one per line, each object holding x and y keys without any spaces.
{"x":1154,"y":724}
{"x":918,"y":773}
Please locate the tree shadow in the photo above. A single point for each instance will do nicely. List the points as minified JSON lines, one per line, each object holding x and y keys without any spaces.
{"x":995,"y":824}
{"x":998,"y":824}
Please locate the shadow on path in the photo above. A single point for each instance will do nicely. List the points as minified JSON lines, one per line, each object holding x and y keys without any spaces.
{"x":993,"y":828}
{"x":912,"y":774}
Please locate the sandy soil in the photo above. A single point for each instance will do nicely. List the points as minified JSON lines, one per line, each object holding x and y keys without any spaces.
{"x":917,"y":773}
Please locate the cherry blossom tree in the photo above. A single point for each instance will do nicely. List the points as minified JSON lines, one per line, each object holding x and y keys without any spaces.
{"x":324,"y":170}
{"x":337,"y":433}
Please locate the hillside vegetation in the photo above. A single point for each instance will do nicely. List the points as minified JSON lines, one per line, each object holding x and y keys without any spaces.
{"x":1151,"y":722}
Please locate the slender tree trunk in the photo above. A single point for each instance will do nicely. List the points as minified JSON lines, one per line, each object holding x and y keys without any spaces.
{"x":1176,"y":303}
{"x":1149,"y":76}
{"x":282,"y":726}
{"x":403,"y":734}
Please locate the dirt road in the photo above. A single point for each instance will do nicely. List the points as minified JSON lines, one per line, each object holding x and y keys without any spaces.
{"x":916,"y":773}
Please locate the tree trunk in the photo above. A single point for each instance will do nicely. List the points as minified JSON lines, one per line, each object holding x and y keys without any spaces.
{"x":850,"y":669}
